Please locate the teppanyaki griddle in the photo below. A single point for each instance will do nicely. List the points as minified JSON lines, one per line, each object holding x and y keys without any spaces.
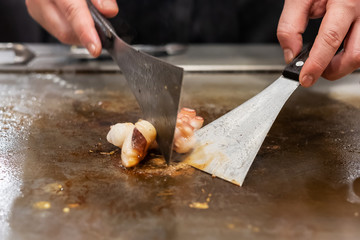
{"x":60,"y":179}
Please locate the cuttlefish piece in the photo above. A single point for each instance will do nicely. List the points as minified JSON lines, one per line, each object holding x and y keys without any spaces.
{"x":118,"y":132}
{"x":137,"y":143}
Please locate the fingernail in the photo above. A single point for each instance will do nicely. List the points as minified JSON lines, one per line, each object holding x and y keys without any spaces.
{"x":307,"y":80}
{"x":108,"y":5}
{"x":288,"y":55}
{"x":91,"y":48}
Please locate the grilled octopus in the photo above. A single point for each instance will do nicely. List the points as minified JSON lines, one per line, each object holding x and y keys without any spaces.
{"x":135,"y":139}
{"x":186,"y":124}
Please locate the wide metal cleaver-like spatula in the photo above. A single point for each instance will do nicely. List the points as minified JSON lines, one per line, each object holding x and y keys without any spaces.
{"x":155,"y":84}
{"x":227,"y":146}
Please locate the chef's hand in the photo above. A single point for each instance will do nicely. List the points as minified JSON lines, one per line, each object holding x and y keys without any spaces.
{"x":341,"y":20}
{"x":70,"y":21}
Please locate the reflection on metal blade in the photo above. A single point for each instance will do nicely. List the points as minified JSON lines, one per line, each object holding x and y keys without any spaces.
{"x":157,"y":87}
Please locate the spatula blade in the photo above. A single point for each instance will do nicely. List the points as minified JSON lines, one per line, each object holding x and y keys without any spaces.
{"x":155,"y":84}
{"x":227,"y":146}
{"x":157,"y":88}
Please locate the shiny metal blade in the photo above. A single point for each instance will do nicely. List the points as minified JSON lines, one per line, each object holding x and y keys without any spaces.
{"x":155,"y":84}
{"x":227,"y":146}
{"x":157,"y":88}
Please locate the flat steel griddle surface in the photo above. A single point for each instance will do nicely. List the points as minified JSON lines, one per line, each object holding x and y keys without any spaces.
{"x":60,"y":179}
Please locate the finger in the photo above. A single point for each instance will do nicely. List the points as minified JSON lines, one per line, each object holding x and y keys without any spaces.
{"x":51,"y":19}
{"x":78,"y":15}
{"x":292,"y":24}
{"x":333,"y":29}
{"x":317,"y":9}
{"x":108,"y":8}
{"x":348,"y":60}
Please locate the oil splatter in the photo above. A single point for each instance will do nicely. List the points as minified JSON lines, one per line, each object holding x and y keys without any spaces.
{"x":66,"y":210}
{"x":42,"y":205}
{"x":201,"y":205}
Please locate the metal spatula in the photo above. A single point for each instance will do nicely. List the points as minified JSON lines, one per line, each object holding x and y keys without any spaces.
{"x":155,"y":84}
{"x":227,"y":146}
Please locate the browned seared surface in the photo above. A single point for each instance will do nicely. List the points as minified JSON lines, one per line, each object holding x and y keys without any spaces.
{"x":60,"y":179}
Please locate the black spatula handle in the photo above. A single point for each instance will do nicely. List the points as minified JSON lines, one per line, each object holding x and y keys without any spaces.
{"x":103,"y":26}
{"x":292,"y":70}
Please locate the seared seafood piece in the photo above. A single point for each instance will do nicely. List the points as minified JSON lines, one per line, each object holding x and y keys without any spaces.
{"x":118,"y":132}
{"x":135,"y":140}
{"x":187,"y":123}
{"x":137,"y":143}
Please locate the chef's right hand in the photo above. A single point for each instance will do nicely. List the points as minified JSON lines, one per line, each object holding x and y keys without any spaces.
{"x":70,"y":21}
{"x":341,"y":21}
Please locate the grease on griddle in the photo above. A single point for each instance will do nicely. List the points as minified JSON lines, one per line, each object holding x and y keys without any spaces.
{"x":201,"y":205}
{"x":107,"y":153}
{"x":42,"y":205}
{"x":155,"y":165}
{"x":66,"y":210}
{"x":54,"y":188}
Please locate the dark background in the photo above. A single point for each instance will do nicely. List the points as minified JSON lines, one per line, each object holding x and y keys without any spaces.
{"x":164,"y":21}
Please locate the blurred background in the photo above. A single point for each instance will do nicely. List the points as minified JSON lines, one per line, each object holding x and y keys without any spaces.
{"x":165,"y":21}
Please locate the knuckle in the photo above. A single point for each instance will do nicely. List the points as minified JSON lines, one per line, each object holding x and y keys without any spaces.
{"x":285,"y":30}
{"x":281,"y":35}
{"x":82,"y":34}
{"x":318,"y":65}
{"x":355,"y":58}
{"x":330,"y":76}
{"x":71,"y":11}
{"x":332,"y":39}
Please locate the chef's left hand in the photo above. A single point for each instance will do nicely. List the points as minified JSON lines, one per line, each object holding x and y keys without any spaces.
{"x":341,"y":20}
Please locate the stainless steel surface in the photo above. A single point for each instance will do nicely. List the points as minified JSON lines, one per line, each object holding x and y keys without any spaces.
{"x":197,"y":58}
{"x":59,"y":178}
{"x":156,"y":84}
{"x":22,"y":55}
{"x":169,"y":49}
{"x":226,"y":147}
{"x":154,"y":50}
